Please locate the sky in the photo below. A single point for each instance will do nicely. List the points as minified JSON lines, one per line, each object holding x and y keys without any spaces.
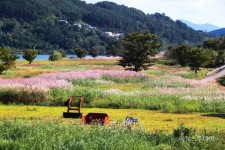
{"x":195,"y":11}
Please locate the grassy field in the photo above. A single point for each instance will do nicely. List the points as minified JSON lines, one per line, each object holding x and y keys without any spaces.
{"x":148,"y":120}
{"x":163,"y":98}
{"x":106,"y":85}
{"x":24,"y":69}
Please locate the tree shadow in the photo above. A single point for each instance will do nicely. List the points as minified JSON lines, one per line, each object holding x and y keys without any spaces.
{"x":215,"y":115}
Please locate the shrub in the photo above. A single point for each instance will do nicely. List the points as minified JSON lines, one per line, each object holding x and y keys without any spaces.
{"x":94,"y":52}
{"x":222,"y":80}
{"x":183,"y":132}
{"x":81,"y":53}
{"x":8,"y":96}
{"x":7,"y":60}
{"x":63,"y":52}
{"x":56,"y":55}
{"x":30,"y":55}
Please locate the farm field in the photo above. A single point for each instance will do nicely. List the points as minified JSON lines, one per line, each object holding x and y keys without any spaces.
{"x":163,"y":98}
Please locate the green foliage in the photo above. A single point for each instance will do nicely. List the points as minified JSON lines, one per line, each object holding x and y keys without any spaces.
{"x":30,"y":55}
{"x":56,"y":55}
{"x":9,"y":96}
{"x":222,"y":80}
{"x":199,"y":57}
{"x":94,"y":52}
{"x":179,"y":54}
{"x":63,"y":52}
{"x":183,"y":132}
{"x":194,"y":57}
{"x":191,"y":75}
{"x":24,"y":135}
{"x":138,"y":47}
{"x":217,"y":45}
{"x":7,"y":60}
{"x":81,"y":53}
{"x":115,"y":48}
{"x":33,"y":22}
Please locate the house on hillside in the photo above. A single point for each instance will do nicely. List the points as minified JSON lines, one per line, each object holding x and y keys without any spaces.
{"x":63,"y":22}
{"x":78,"y":25}
{"x":116,"y":35}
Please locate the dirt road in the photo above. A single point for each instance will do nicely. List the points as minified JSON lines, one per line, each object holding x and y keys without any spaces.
{"x":214,"y":77}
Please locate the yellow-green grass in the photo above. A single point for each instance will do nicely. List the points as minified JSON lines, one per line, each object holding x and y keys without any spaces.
{"x":44,"y":66}
{"x":148,"y":120}
{"x":177,"y":70}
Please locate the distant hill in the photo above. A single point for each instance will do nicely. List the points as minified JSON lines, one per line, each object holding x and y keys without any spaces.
{"x":219,"y":32}
{"x":70,"y":24}
{"x":204,"y":27}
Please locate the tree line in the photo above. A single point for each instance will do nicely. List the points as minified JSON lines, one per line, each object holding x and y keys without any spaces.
{"x":209,"y":54}
{"x":138,"y":46}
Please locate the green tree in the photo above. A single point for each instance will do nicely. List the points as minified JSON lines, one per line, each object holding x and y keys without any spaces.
{"x":63,"y":52}
{"x":138,"y":47}
{"x":199,"y":57}
{"x":94,"y":52}
{"x":7,"y":60}
{"x":81,"y":53}
{"x":217,"y":45}
{"x":179,"y":54}
{"x":220,"y":58}
{"x":115,"y":48}
{"x":56,"y":55}
{"x":30,"y":55}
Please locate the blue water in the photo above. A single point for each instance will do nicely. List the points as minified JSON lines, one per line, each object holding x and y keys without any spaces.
{"x":46,"y":57}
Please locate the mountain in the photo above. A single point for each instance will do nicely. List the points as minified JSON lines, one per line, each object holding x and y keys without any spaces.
{"x":70,"y":24}
{"x":204,"y":27}
{"x":219,"y":32}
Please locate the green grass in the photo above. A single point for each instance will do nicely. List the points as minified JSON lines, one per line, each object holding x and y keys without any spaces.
{"x":191,"y":75}
{"x":149,"y":120}
{"x":22,"y":135}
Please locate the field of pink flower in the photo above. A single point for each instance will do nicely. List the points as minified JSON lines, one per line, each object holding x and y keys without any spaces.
{"x":60,"y":79}
{"x":157,"y":89}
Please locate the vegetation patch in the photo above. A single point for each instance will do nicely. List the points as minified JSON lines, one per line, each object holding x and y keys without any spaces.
{"x":222,"y":80}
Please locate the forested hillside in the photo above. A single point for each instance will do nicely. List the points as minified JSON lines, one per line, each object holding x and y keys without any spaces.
{"x":219,"y":32}
{"x":70,"y":24}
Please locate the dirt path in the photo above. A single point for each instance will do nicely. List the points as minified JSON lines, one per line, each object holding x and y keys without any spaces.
{"x":214,"y":77}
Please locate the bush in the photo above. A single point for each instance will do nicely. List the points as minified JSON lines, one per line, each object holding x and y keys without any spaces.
{"x":8,"y":96}
{"x":222,"y":80}
{"x":30,"y":55}
{"x":94,"y":52}
{"x":7,"y":60}
{"x":81,"y":53}
{"x":183,"y":132}
{"x":56,"y":55}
